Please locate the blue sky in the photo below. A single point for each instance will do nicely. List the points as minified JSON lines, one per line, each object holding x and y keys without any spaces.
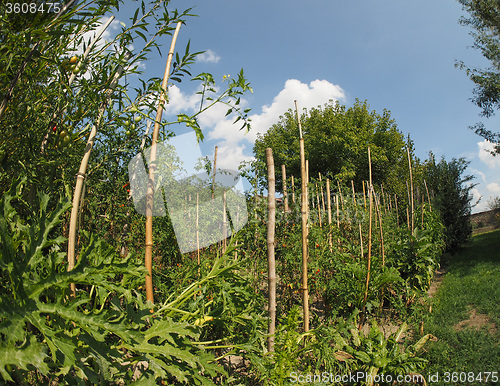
{"x":397,"y":55}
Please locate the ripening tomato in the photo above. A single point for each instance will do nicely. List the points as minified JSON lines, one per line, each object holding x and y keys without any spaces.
{"x":73,"y":59}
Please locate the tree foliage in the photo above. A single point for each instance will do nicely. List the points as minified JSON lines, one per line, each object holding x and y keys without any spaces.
{"x":452,"y":198}
{"x":485,"y":21}
{"x":336,"y":141}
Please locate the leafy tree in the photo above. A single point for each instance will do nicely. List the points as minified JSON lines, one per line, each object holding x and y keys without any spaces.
{"x":485,"y":21}
{"x":452,"y":197}
{"x":336,"y":141}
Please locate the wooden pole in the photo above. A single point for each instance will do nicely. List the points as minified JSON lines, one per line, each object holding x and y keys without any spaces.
{"x":322,"y":195}
{"x":369,"y":229}
{"x":80,"y":177}
{"x":304,"y":200}
{"x":224,"y":222}
{"x":329,"y":208}
{"x":397,"y":210}
{"x":379,"y":213}
{"x":359,"y":223}
{"x":285,"y":194}
{"x":271,"y":218}
{"x":428,"y":197}
{"x":319,"y":206}
{"x":213,"y":175}
{"x":293,"y":191}
{"x":152,"y":169}
{"x":411,"y":187}
{"x":198,"y":228}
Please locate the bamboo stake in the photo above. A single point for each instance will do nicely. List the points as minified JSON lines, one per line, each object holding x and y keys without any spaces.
{"x":293,"y":191}
{"x":359,"y":224}
{"x":80,"y":177}
{"x":329,"y":208}
{"x":152,"y":169}
{"x":322,"y":194}
{"x":271,"y":218}
{"x":224,"y":222}
{"x":369,"y":228}
{"x":341,"y":197}
{"x":304,"y":200}
{"x":411,"y":186}
{"x":213,"y":175}
{"x":428,"y":197}
{"x":198,"y":228}
{"x":319,"y":206}
{"x":338,"y":214}
{"x":285,"y":194}
{"x":379,"y":213}
{"x":397,"y":210}
{"x":364,"y":194}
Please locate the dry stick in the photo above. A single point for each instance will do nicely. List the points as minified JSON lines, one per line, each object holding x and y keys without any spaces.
{"x":428,"y":197}
{"x":383,"y":198}
{"x":359,"y":224}
{"x":369,"y":228}
{"x":224,"y":222}
{"x":59,"y":112}
{"x":198,"y":229}
{"x":364,"y":194}
{"x":397,"y":210}
{"x":80,"y":177}
{"x":338,"y":214}
{"x":422,"y":212}
{"x":152,"y":169}
{"x":213,"y":176}
{"x":409,"y":203}
{"x":285,"y":194}
{"x":379,"y":213}
{"x":271,"y":219}
{"x":304,"y":200}
{"x":329,"y":208}
{"x":14,"y":81}
{"x":411,"y":186}
{"x":322,"y":195}
{"x":319,"y":206}
{"x":341,"y":197}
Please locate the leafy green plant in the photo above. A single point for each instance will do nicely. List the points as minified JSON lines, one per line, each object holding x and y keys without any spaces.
{"x":105,"y":333}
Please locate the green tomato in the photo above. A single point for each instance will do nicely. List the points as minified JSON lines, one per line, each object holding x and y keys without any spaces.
{"x":127,"y":123}
{"x":63,"y":134}
{"x":137,"y":118}
{"x":132,"y":127}
{"x":128,"y":133}
{"x":66,"y":139}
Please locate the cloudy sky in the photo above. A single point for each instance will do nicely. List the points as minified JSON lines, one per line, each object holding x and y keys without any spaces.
{"x":396,"y":55}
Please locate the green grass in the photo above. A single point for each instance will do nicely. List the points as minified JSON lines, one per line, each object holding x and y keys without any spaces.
{"x":472,"y":282}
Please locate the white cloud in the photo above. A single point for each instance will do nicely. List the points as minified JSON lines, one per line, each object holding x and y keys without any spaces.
{"x":494,"y":189}
{"x":485,"y":156}
{"x":209,"y":56}
{"x":178,"y":102}
{"x":308,"y":96}
{"x":236,"y":145}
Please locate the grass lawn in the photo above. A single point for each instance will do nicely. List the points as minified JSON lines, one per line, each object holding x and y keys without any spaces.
{"x":466,"y":314}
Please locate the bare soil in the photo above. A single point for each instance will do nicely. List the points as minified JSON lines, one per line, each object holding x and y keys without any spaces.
{"x":477,"y":321}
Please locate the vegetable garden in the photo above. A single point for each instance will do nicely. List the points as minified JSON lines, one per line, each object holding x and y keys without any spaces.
{"x":330,"y":278}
